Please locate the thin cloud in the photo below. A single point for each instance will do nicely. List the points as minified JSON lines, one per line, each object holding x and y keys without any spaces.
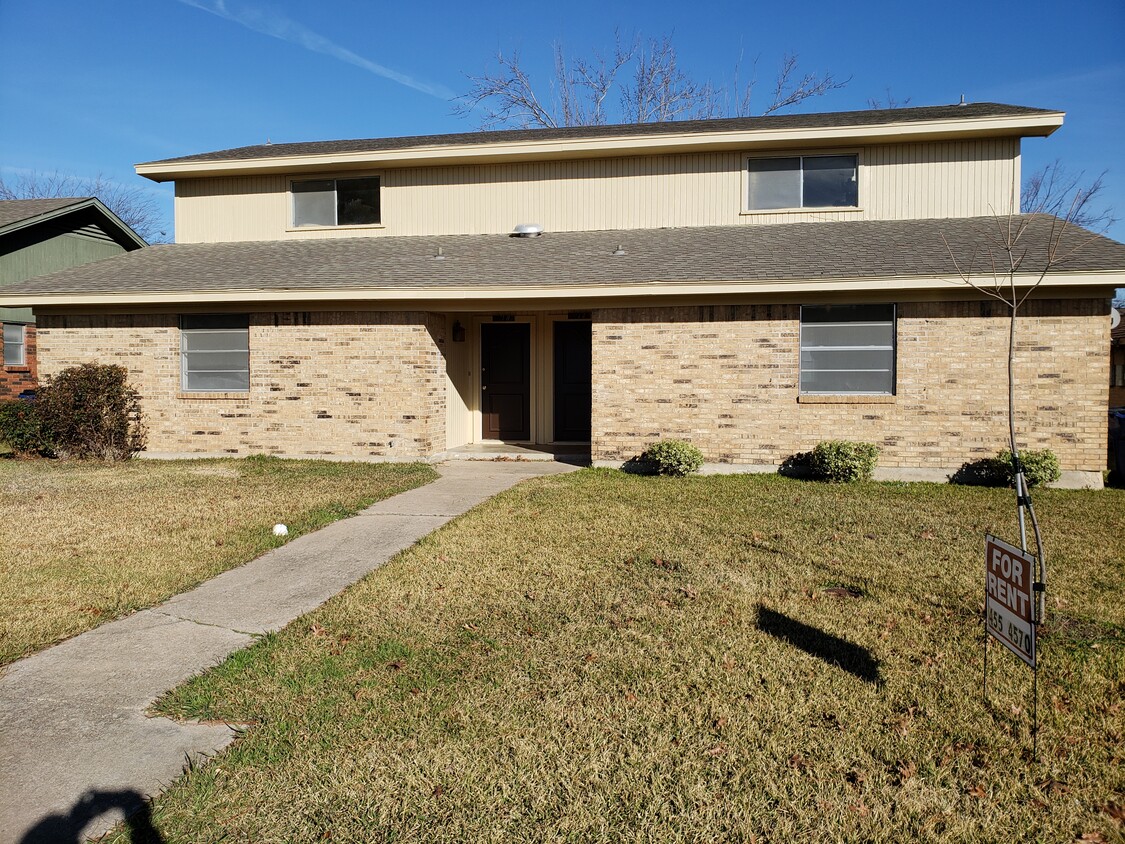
{"x":276,"y":25}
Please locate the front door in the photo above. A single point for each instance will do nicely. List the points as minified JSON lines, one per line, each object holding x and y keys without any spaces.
{"x":505,"y":380}
{"x":572,"y":381}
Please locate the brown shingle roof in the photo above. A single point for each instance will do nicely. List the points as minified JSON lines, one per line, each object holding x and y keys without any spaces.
{"x":840,"y":119}
{"x":858,"y":249}
{"x":18,"y":210}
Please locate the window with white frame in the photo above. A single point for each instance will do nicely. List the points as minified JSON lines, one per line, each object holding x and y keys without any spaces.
{"x":15,"y":344}
{"x":336,"y":202}
{"x":215,"y":352}
{"x":802,"y":181}
{"x":848,"y":349}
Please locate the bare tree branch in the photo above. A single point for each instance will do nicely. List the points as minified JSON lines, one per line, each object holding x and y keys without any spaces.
{"x":508,"y":98}
{"x":1054,"y":190}
{"x":658,"y":89}
{"x":136,"y":207}
{"x":890,"y":103}
{"x":792,"y":87}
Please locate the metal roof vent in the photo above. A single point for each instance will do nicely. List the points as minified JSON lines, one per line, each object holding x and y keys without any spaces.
{"x":527,"y":230}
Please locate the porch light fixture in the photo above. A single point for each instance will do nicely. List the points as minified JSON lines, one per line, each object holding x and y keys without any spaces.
{"x":458,"y":331}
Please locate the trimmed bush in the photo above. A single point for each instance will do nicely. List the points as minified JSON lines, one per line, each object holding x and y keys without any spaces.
{"x":673,"y":457}
{"x":1040,"y":466}
{"x":23,"y":429}
{"x":843,"y":461}
{"x":92,"y":412}
{"x":988,"y":471}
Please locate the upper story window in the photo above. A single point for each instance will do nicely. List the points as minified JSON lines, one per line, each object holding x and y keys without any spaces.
{"x":848,"y":349}
{"x":14,"y":344}
{"x":802,"y":181}
{"x":336,"y":202}
{"x":215,"y":352}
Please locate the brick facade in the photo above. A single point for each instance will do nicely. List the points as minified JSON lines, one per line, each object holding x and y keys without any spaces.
{"x":357,"y":384}
{"x":373,"y":384}
{"x":18,"y":379}
{"x":726,"y":378}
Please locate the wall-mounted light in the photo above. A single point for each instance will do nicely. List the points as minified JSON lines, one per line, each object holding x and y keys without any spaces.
{"x":458,"y":332}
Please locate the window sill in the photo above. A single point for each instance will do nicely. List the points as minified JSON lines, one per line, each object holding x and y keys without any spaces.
{"x":374,"y":226}
{"x":16,"y":367}
{"x":204,"y":396}
{"x":847,"y":209}
{"x":845,"y":399}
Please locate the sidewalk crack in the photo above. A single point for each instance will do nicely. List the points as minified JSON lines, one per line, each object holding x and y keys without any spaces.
{"x":206,"y":623}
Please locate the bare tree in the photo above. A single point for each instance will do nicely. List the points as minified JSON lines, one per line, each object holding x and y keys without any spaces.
{"x":889,"y":103}
{"x":1055,"y":190}
{"x":587,"y":92}
{"x":1060,"y":210}
{"x":136,"y":207}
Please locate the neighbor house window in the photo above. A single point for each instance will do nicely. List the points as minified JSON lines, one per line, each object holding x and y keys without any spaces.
{"x":215,"y":352}
{"x":336,"y":202}
{"x":848,"y":349}
{"x":14,"y":345}
{"x":802,"y":181}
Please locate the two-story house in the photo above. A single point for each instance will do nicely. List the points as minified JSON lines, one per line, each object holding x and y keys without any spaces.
{"x":753,"y":285}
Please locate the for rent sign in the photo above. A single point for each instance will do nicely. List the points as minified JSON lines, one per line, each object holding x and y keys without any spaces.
{"x":1009,"y":597}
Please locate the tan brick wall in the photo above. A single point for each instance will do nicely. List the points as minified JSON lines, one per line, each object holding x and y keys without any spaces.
{"x":726,"y":378}
{"x":325,"y":383}
{"x":16,"y":379}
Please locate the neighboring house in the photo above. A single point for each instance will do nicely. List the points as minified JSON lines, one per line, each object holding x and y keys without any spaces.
{"x":754,"y":285}
{"x":40,"y":236}
{"x":1117,"y":367}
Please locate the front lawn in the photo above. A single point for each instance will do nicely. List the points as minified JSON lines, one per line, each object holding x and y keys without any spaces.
{"x":86,"y":542}
{"x":602,"y":657}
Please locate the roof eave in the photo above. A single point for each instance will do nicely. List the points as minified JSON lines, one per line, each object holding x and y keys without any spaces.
{"x":536,"y":292}
{"x":1034,"y":125}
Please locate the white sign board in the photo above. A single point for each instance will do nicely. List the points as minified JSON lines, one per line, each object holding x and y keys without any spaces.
{"x":1009,"y":597}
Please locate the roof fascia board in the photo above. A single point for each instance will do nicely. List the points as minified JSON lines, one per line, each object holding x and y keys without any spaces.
{"x":123,"y":234}
{"x":1022,"y":125}
{"x":531,"y":293}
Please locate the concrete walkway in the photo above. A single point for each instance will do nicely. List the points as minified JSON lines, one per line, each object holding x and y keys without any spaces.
{"x":76,"y":749}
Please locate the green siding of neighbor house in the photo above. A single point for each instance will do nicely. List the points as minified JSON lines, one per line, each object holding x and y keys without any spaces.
{"x":61,"y":251}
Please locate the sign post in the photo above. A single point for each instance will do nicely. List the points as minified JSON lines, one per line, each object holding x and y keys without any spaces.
{"x":1011,"y":610}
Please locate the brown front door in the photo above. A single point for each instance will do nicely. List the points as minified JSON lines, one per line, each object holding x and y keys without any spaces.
{"x":572,"y":382}
{"x":505,"y":380}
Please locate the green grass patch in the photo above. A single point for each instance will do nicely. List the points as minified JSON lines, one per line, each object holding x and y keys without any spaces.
{"x":604,"y":657}
{"x":88,"y":542}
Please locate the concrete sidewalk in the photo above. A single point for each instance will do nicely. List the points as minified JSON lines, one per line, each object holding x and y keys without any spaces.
{"x":77,"y":751}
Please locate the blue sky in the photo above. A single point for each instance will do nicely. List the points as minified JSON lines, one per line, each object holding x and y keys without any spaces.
{"x":89,"y":88}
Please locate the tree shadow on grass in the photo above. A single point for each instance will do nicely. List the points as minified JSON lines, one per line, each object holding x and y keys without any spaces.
{"x":812,"y":640}
{"x":64,"y":828}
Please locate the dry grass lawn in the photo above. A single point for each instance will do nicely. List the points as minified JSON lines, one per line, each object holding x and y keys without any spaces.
{"x":86,"y":542}
{"x":599,"y":657}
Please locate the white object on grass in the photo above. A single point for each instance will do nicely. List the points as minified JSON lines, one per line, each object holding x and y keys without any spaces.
{"x":280,"y":530}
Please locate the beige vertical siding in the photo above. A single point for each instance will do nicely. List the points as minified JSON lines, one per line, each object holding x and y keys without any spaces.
{"x":899,"y":181}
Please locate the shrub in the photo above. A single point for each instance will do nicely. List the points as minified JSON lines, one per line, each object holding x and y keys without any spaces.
{"x":23,"y":429}
{"x":92,"y":411}
{"x":988,"y":471}
{"x":1040,"y":466}
{"x":797,"y":465}
{"x":842,"y":461}
{"x":673,"y":457}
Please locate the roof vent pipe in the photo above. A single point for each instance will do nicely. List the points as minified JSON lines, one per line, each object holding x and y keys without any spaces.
{"x":527,"y":230}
